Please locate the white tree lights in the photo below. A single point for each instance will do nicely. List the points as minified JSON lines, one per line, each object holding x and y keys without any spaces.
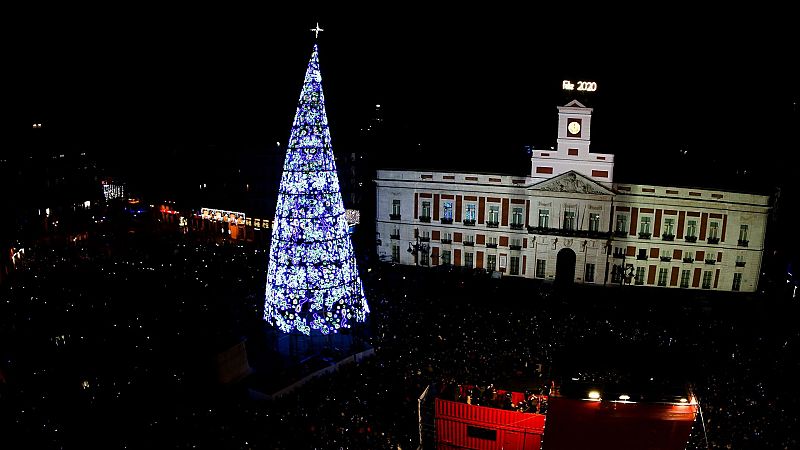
{"x":312,"y":278}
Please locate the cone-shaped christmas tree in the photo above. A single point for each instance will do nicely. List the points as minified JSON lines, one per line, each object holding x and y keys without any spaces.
{"x":312,"y":279}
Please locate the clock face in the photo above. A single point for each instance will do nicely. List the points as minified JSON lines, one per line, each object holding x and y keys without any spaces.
{"x":574,"y":127}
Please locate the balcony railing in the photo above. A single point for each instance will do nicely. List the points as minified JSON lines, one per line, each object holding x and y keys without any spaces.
{"x":620,"y":233}
{"x":492,"y":224}
{"x":447,"y":221}
{"x":469,"y":243}
{"x":740,"y":263}
{"x":515,"y":247}
{"x":569,"y":233}
{"x":641,"y":257}
{"x":469,"y":222}
{"x":394,"y":236}
{"x":713,"y":240}
{"x":711,"y":261}
{"x":424,"y":238}
{"x":516,"y":226}
{"x":666,"y":258}
{"x":489,"y":245}
{"x":425,"y":219}
{"x":743,"y":243}
{"x":619,"y":255}
{"x":447,"y":241}
{"x":688,"y":260}
{"x":644,"y":235}
{"x":690,"y":238}
{"x":394,"y":216}
{"x":667,"y":237}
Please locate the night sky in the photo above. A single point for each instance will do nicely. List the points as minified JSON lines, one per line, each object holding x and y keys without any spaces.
{"x":461,"y":83}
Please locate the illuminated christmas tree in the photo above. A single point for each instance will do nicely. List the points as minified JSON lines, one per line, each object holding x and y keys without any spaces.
{"x":312,"y":279}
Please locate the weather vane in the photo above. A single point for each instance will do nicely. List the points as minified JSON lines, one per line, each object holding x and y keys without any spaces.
{"x":316,"y":31}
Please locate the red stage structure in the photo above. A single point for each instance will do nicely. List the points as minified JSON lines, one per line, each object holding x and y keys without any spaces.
{"x":580,"y":419}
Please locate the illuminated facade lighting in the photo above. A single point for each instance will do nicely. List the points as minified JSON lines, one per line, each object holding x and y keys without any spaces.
{"x":312,"y":278}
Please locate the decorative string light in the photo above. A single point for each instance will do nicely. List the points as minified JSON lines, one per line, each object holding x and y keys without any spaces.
{"x":312,"y":278}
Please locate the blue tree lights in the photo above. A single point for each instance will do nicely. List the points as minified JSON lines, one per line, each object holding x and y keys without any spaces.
{"x":312,"y":278}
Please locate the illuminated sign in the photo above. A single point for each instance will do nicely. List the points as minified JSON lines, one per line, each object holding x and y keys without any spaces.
{"x":587,"y":86}
{"x":222,"y":215}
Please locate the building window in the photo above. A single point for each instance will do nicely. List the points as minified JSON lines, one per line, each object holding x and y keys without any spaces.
{"x":544,"y":218}
{"x":516,"y":244}
{"x":707,"y":279}
{"x":691,"y":228}
{"x":491,"y":263}
{"x":447,"y":238}
{"x":616,"y":274}
{"x":426,"y":209}
{"x":662,"y":276}
{"x":737,"y":282}
{"x":688,"y":256}
{"x":491,"y":241}
{"x":594,"y":222}
{"x":713,"y":230}
{"x":622,"y":223}
{"x":642,"y":254}
{"x":669,"y":226}
{"x":569,"y":218}
{"x":685,"y":278}
{"x":589,"y":275}
{"x":468,"y":260}
{"x":395,"y":253}
{"x":743,"y":236}
{"x":426,"y":235}
{"x":639,"y":275}
{"x":424,"y":257}
{"x":494,"y":214}
{"x":446,"y":257}
{"x":514,"y":269}
{"x":540,"y":268}
{"x":644,"y":226}
{"x":395,"y":210}
{"x":447,"y":210}
{"x":516,"y":216}
{"x":470,"y":214}
{"x":740,"y":261}
{"x":469,"y":239}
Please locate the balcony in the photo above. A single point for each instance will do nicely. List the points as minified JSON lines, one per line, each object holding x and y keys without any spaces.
{"x":711,"y":261}
{"x":666,"y":258}
{"x":690,"y":238}
{"x":743,"y":243}
{"x":447,"y":221}
{"x":620,"y":233}
{"x":425,"y":219}
{"x":394,"y":236}
{"x":491,"y":245}
{"x":619,"y":255}
{"x":469,"y":222}
{"x":469,"y":243}
{"x":688,"y":260}
{"x":739,"y":263}
{"x":644,"y":235}
{"x":447,"y":241}
{"x":424,"y":238}
{"x":394,"y":216}
{"x":492,"y":224}
{"x":713,"y":240}
{"x":641,"y":257}
{"x":667,"y":237}
{"x":516,"y":226}
{"x":515,"y":247}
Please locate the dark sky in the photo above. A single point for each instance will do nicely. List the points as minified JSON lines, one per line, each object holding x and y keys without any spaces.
{"x":472,"y":80}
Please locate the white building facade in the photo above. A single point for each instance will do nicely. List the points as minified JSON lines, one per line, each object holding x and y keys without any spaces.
{"x":569,"y":221}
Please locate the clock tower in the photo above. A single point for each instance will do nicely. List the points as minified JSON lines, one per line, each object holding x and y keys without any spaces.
{"x":572,"y":151}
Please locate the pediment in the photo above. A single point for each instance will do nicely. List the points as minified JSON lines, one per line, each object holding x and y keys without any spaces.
{"x":575,"y":104}
{"x":574,"y":183}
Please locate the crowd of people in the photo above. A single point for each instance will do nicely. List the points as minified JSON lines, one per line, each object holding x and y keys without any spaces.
{"x":109,"y":342}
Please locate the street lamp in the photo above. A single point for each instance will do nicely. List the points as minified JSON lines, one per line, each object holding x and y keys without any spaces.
{"x":417,"y":249}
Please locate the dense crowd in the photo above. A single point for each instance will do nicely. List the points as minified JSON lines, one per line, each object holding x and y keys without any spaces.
{"x":108,"y":343}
